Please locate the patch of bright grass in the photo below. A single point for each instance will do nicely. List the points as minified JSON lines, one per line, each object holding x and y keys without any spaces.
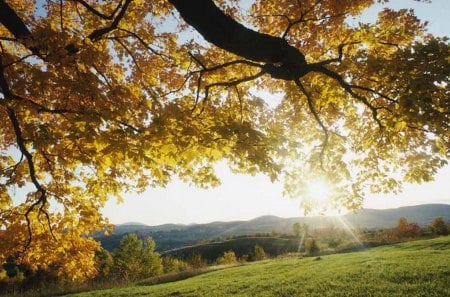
{"x":418,"y":268}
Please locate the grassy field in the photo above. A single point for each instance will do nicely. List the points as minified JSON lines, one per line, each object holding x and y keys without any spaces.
{"x":417,"y":268}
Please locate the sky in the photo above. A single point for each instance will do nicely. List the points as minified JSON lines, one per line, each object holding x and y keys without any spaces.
{"x":243,"y":197}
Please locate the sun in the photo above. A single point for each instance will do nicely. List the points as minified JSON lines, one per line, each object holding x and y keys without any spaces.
{"x":319,"y":192}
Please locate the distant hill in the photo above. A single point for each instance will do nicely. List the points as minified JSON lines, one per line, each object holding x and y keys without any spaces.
{"x":171,"y":236}
{"x":240,"y":246}
{"x":383,"y":218}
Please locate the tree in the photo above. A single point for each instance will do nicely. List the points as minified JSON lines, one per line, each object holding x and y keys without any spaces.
{"x":438,"y":226}
{"x":100,"y":98}
{"x":136,"y":258}
{"x":311,"y":247}
{"x":227,"y":258}
{"x":196,"y":261}
{"x":171,"y":264}
{"x":407,"y":229}
{"x":259,"y":253}
{"x":296,"y":229}
{"x":300,"y":230}
{"x":105,"y":264}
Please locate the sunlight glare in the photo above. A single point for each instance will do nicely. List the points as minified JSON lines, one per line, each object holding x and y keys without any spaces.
{"x":319,"y":192}
{"x":349,"y":229}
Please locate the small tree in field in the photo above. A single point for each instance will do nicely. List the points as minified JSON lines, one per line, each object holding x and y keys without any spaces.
{"x":196,"y":261}
{"x":260,"y":254}
{"x":105,"y":263}
{"x":300,"y":230}
{"x":311,"y":247}
{"x":137,"y":258}
{"x":296,"y":229}
{"x":227,"y":258}
{"x":438,"y":226}
{"x":407,"y":229}
{"x":171,"y":264}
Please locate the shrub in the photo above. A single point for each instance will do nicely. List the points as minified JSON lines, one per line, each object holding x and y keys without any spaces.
{"x":259,"y":253}
{"x":311,"y":247}
{"x":196,"y":261}
{"x":172,"y":264}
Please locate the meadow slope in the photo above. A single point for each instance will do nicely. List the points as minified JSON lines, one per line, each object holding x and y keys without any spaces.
{"x":417,"y":268}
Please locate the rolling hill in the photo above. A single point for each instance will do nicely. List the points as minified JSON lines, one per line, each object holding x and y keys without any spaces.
{"x":272,"y":246}
{"x":171,"y":236}
{"x":416,"y":269}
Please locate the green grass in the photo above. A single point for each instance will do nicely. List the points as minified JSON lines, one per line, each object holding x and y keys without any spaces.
{"x":417,"y":268}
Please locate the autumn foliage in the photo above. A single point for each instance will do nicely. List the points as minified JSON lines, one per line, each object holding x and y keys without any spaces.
{"x":98,"y":98}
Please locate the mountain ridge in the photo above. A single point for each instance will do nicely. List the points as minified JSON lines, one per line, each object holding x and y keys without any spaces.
{"x":165,"y":225}
{"x":171,"y":236}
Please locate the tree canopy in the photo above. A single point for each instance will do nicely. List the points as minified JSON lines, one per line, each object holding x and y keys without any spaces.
{"x":103,"y":97}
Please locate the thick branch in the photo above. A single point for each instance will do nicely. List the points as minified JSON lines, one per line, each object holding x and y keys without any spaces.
{"x":3,"y":83}
{"x":42,"y":199}
{"x":282,"y":60}
{"x":10,"y":19}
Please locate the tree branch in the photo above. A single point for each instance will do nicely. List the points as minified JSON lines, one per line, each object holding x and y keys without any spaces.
{"x":318,"y":120}
{"x":97,"y":34}
{"x":145,"y":44}
{"x":15,"y":25}
{"x":349,"y":88}
{"x":281,"y":60}
{"x":230,"y":83}
{"x":98,"y":13}
{"x":130,"y":53}
{"x":337,"y":59}
{"x":299,"y":20}
{"x":42,"y":199}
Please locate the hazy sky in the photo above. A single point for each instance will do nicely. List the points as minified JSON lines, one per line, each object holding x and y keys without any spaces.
{"x":242,"y":197}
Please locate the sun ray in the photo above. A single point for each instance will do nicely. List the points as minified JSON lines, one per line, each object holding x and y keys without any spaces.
{"x":348,"y":227}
